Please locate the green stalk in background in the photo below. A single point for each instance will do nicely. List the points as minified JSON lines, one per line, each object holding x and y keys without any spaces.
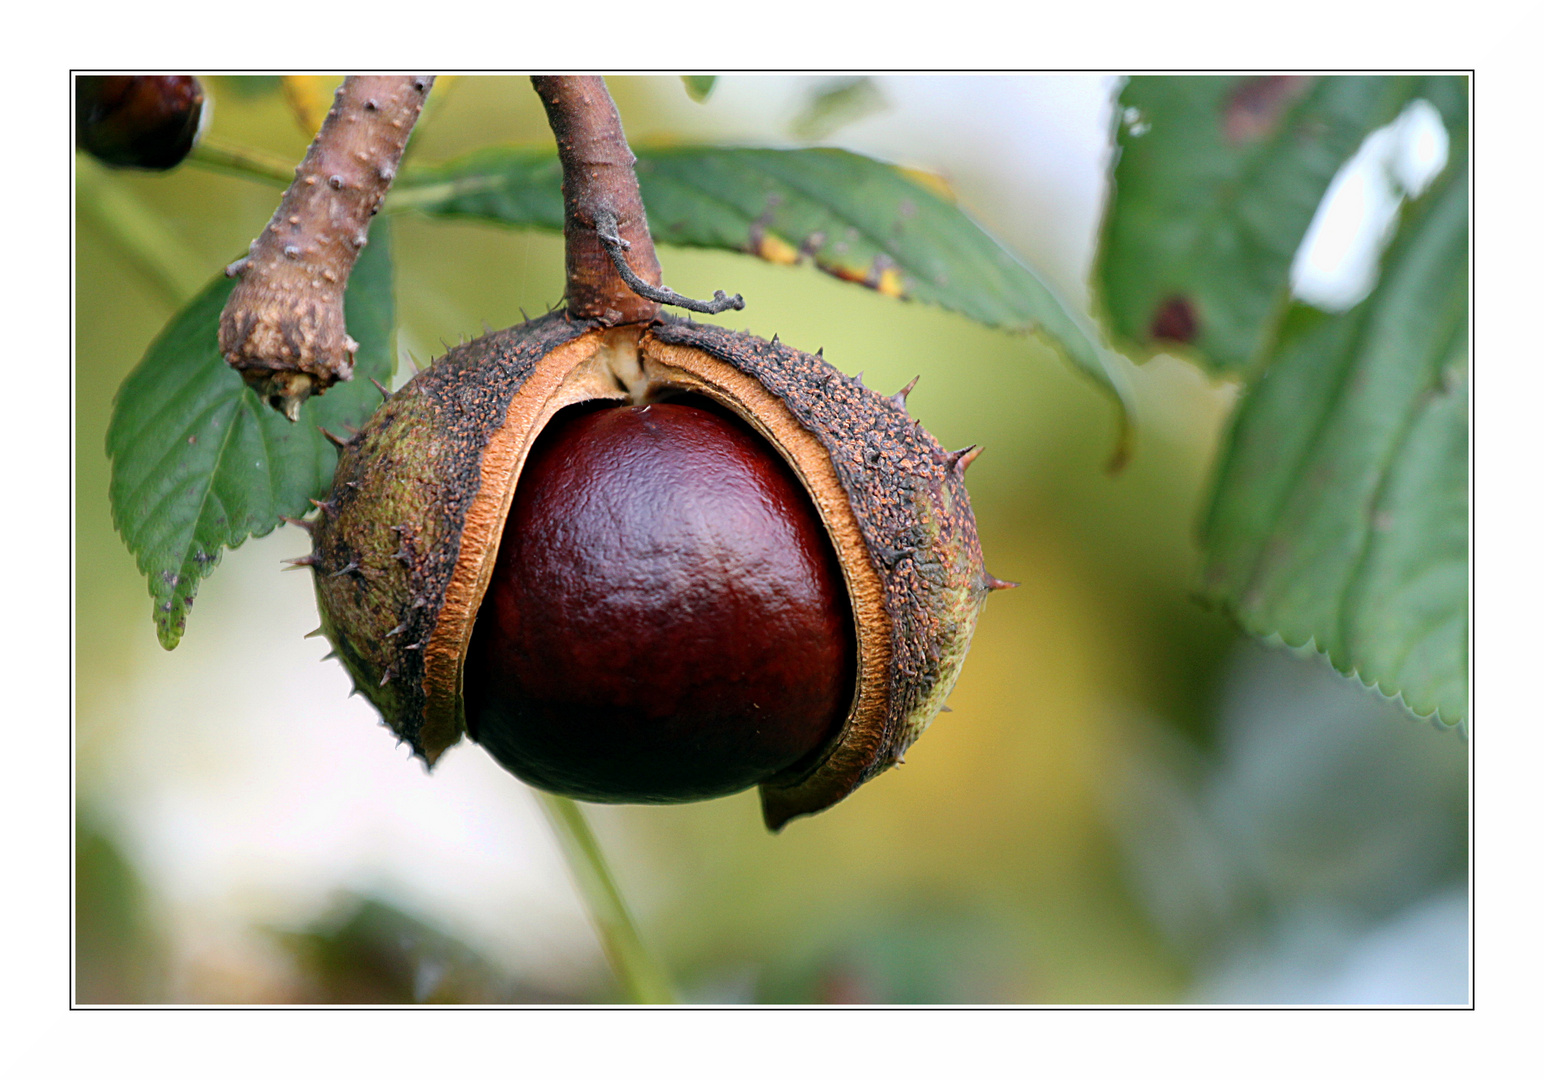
{"x":642,"y":976}
{"x":137,"y":231}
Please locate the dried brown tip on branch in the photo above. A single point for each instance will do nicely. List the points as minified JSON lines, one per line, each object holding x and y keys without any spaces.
{"x":283,"y":327}
{"x":606,"y":229}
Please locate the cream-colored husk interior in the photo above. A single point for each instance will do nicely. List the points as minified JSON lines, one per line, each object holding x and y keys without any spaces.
{"x":623,"y":365}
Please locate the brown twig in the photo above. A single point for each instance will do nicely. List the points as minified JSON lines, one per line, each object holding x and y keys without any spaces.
{"x":283,"y":327}
{"x":613,"y":272}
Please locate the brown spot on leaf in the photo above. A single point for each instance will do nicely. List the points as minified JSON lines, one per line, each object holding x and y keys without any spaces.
{"x":882,"y":263}
{"x":881,"y":275}
{"x":775,"y":249}
{"x":1255,"y":106}
{"x":845,"y":273}
{"x":1175,"y":320}
{"x":758,"y":243}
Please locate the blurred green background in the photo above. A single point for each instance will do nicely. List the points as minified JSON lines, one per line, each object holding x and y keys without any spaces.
{"x":1128,"y":803}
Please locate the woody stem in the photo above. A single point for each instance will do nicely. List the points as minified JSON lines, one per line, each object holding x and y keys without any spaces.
{"x":283,"y":327}
{"x":613,"y":272}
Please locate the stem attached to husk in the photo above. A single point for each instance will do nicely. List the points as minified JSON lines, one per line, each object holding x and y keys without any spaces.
{"x":613,"y":272}
{"x":283,"y":327}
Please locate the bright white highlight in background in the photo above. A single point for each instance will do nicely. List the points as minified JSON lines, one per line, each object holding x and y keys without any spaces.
{"x":1338,"y":261}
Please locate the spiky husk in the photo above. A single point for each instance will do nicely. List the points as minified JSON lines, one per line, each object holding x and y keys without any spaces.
{"x":406,"y":540}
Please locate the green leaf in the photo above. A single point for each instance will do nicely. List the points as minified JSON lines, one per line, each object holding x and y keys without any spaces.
{"x":699,"y":87}
{"x":857,"y":219}
{"x":1216,"y":182}
{"x":1340,"y":517}
{"x":199,"y":463}
{"x":501,"y":185}
{"x":836,"y":104}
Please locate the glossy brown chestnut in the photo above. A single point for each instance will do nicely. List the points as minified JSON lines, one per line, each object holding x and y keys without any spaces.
{"x":666,"y":620}
{"x":138,"y":121}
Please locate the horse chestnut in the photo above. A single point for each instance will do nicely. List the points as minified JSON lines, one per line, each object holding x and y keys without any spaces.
{"x":651,"y":562}
{"x":138,"y":121}
{"x":666,"y":619}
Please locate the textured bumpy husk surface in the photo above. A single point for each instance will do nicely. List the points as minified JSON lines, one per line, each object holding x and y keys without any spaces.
{"x":405,"y":542}
{"x":388,"y":537}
